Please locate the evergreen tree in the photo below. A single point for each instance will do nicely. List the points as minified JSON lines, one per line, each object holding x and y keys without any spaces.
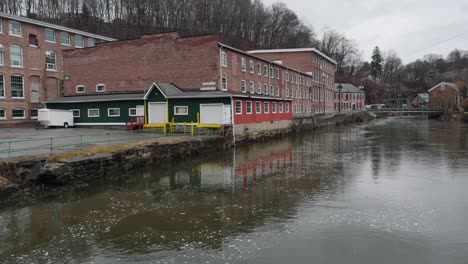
{"x":376,"y":64}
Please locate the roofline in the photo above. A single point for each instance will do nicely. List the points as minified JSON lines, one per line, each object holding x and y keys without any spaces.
{"x":53,"y":26}
{"x":262,"y":59}
{"x":95,"y":100}
{"x":294,"y":50}
{"x":449,"y":84}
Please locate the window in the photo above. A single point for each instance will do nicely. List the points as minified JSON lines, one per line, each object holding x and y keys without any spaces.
{"x":33,"y":114}
{"x":259,"y":68}
{"x":272,"y":72}
{"x":2,"y":86}
{"x":266,"y":106}
{"x":277,"y":74}
{"x":113,"y":112}
{"x":273,"y":107}
{"x":277,"y":91}
{"x":266,"y":89}
{"x":76,"y":112}
{"x":180,"y":110}
{"x":272,"y":90}
{"x":49,"y":35}
{"x":252,"y":87}
{"x":244,"y":86}
{"x":258,"y":107}
{"x":224,"y":61}
{"x":18,"y":113}
{"x":91,"y":42}
{"x":65,"y":38}
{"x":32,"y":40}
{"x":224,"y":84}
{"x":287,"y":76}
{"x":252,"y":67}
{"x":17,"y":86}
{"x":2,"y":55}
{"x":80,"y":89}
{"x":79,"y":41}
{"x":248,"y":107}
{"x":238,"y":107}
{"x":16,"y":56}
{"x":15,"y":28}
{"x":259,"y":88}
{"x":2,"y":113}
{"x":93,"y":112}
{"x":100,"y":88}
{"x":265,"y":70}
{"x":287,"y":92}
{"x":243,"y":65}
{"x":51,"y":60}
{"x":1,"y":26}
{"x":281,"y":107}
{"x":132,"y":112}
{"x":287,"y":107}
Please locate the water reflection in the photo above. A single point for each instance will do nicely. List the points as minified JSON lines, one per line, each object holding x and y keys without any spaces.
{"x":230,"y":206}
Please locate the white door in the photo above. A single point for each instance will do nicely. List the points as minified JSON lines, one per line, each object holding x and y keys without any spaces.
{"x":157,"y":113}
{"x":227,"y":117}
{"x":140,"y":110}
{"x":211,"y":113}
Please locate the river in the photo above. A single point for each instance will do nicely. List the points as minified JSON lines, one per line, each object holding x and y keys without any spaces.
{"x":390,"y":191}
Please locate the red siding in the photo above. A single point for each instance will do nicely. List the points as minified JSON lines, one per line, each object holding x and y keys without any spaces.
{"x":255,"y":117}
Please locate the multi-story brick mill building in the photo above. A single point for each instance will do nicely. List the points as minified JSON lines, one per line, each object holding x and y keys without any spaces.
{"x":31,"y":65}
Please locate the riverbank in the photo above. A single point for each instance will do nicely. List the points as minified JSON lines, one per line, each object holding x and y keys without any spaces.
{"x":21,"y":177}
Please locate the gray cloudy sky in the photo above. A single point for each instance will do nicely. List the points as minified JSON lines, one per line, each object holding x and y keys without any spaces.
{"x":410,"y":27}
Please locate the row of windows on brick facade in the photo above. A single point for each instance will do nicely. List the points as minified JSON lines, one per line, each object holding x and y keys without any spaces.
{"x":353,"y":96}
{"x":15,"y":29}
{"x":16,"y":57}
{"x":276,"y":107}
{"x":111,"y":112}
{"x":16,"y":86}
{"x":17,"y":113}
{"x":323,"y":62}
{"x":269,"y":71}
{"x":100,"y":88}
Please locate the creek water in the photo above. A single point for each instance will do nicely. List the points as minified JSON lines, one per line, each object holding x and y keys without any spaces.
{"x":389,"y":191}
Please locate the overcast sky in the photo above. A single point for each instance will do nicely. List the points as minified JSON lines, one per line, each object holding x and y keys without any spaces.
{"x":412,"y":28}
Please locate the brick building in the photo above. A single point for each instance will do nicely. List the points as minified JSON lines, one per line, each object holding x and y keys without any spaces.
{"x":349,"y":97}
{"x":443,"y":96}
{"x":31,"y":68}
{"x":313,"y":62}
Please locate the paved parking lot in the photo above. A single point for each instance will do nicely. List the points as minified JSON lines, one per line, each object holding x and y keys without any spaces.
{"x":16,"y":142}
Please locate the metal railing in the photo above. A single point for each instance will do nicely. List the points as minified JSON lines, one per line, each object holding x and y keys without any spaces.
{"x":53,"y":145}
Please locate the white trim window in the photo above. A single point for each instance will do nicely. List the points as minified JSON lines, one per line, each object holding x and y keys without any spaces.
{"x":287,"y":76}
{"x":80,"y":89}
{"x":272,"y":90}
{"x":3,"y":115}
{"x":265,"y":70}
{"x":248,"y":107}
{"x":258,"y":107}
{"x":280,"y":107}
{"x":91,"y":42}
{"x":287,"y":92}
{"x":181,"y":110}
{"x":277,"y":91}
{"x":76,"y":113}
{"x":51,"y":60}
{"x":49,"y":35}
{"x":100,"y":88}
{"x":238,"y":107}
{"x":266,"y":107}
{"x":272,"y":72}
{"x":113,"y":112}
{"x":252,"y":67}
{"x":79,"y":41}
{"x":33,"y":113}
{"x":94,"y":112}
{"x":273,"y":107}
{"x":1,"y":26}
{"x":252,"y":87}
{"x":18,"y":113}
{"x":17,"y":86}
{"x":287,"y":107}
{"x":65,"y":38}
{"x":16,"y":56}
{"x":224,"y":83}
{"x":259,"y":69}
{"x":223,"y":59}
{"x":244,"y":86}
{"x":259,"y":88}
{"x":132,"y":112}
{"x":243,"y":65}
{"x":14,"y":28}
{"x":2,"y":55}
{"x":277,"y":74}
{"x":2,"y":85}
{"x":265,"y":91}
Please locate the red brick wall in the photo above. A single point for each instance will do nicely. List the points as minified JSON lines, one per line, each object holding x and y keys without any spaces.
{"x":443,"y":99}
{"x":254,"y":117}
{"x":131,"y":65}
{"x":348,"y":100}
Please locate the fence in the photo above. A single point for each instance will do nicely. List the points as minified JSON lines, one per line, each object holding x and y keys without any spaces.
{"x":51,"y":145}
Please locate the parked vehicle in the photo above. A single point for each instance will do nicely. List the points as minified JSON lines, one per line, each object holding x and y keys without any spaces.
{"x":55,"y":118}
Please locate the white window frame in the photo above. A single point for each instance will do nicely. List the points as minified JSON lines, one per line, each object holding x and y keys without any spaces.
{"x":259,"y":88}
{"x":280,"y":106}
{"x":11,"y":86}
{"x":277,"y":74}
{"x":238,"y":108}
{"x":272,"y":72}
{"x":223,"y":59}
{"x":266,"y":107}
{"x":79,"y":113}
{"x":12,"y":64}
{"x":247,"y":107}
{"x":224,"y":84}
{"x":22,"y":109}
{"x":258,"y":106}
{"x":30,"y":113}
{"x":100,"y":85}
{"x":91,"y":43}
{"x":259,"y":69}
{"x":130,"y":112}
{"x":81,"y":43}
{"x":265,"y":89}
{"x":287,"y":107}
{"x":1,"y":26}
{"x":252,"y":87}
{"x":53,"y":34}
{"x":244,"y":86}
{"x":252,"y":67}
{"x":11,"y":32}
{"x":5,"y":114}
{"x":80,"y":86}
{"x":61,"y":39}
{"x":2,"y":79}
{"x":94,"y":116}
{"x":265,"y":70}
{"x":274,"y":108}
{"x":277,"y":91}
{"x":2,"y":55}
{"x":243,"y":65}
{"x":51,"y":66}
{"x":186,"y":113}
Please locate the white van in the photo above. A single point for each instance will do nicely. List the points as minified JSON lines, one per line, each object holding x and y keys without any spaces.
{"x":55,"y":118}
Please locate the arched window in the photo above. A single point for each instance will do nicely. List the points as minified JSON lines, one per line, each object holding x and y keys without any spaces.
{"x":2,"y":55}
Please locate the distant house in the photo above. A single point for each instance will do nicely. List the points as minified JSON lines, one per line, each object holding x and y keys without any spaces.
{"x":349,"y":97}
{"x":421,"y":101}
{"x":443,"y":96}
